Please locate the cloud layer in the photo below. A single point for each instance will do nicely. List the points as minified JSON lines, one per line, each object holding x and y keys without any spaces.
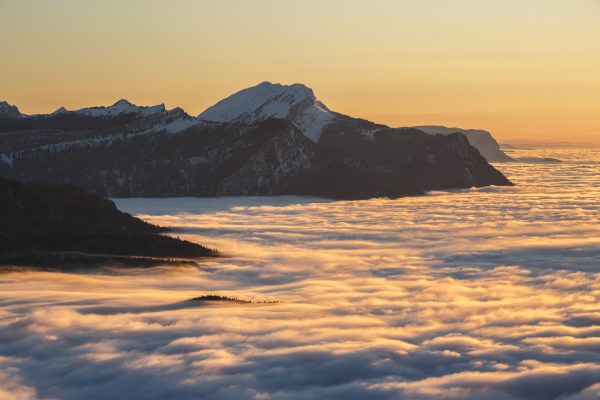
{"x":490,"y":293}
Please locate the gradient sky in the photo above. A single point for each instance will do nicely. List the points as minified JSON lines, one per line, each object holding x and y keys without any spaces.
{"x":521,"y":69}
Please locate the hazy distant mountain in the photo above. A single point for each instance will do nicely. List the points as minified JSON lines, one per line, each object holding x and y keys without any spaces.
{"x":268,"y":139}
{"x":480,"y":139}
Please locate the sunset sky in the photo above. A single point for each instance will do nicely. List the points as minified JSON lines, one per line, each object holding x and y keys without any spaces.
{"x":521,"y":69}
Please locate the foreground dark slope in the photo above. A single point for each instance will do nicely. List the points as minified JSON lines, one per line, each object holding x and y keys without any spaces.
{"x":45,"y":224}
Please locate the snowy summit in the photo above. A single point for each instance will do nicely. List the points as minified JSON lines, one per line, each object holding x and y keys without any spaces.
{"x":295,"y":103}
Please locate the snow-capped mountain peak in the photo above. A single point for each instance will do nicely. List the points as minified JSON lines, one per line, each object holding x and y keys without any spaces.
{"x":121,"y":107}
{"x":295,"y":103}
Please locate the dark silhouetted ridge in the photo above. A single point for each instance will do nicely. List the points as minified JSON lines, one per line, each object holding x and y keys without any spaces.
{"x":46,"y":224}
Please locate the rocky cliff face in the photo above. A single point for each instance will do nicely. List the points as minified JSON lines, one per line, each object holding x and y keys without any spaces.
{"x":271,"y":139}
{"x":395,"y":162}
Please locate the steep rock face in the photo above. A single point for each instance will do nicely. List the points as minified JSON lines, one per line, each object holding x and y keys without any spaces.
{"x":480,"y":139}
{"x":274,"y":154}
{"x":395,"y":162}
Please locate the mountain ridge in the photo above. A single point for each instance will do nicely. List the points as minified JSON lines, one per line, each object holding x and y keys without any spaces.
{"x":274,"y":141}
{"x":296,"y":103}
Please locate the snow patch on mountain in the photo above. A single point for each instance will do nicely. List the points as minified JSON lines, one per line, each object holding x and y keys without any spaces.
{"x":177,"y":125}
{"x":370,"y":133}
{"x":7,"y":159}
{"x":295,"y":103}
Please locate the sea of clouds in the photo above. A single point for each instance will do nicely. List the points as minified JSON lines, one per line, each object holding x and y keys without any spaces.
{"x":488,"y":293}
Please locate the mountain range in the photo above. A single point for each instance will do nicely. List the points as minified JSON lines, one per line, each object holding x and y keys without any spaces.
{"x":269,"y":139}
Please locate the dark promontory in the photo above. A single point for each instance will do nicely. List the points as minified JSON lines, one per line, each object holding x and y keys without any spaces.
{"x":52,"y":225}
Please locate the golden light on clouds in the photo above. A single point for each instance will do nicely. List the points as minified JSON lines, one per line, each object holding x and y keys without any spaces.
{"x":518,"y":69}
{"x":488,"y":293}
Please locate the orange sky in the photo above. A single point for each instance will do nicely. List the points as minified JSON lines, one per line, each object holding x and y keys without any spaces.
{"x":521,"y":69}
